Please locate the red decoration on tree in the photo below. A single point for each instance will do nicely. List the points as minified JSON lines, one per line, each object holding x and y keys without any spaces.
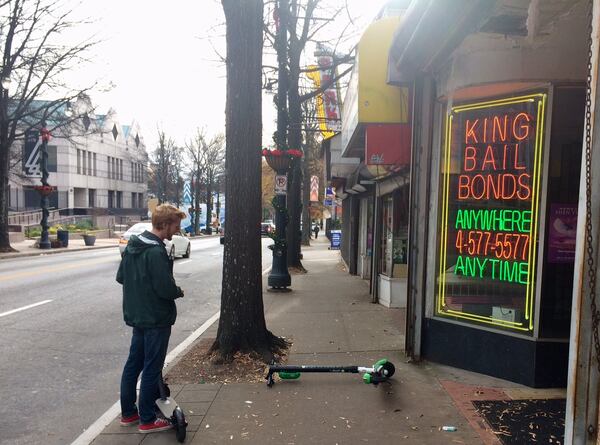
{"x":44,"y":190}
{"x":45,"y":134}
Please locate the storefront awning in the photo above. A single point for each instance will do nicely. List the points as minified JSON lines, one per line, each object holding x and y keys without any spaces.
{"x":430,"y":31}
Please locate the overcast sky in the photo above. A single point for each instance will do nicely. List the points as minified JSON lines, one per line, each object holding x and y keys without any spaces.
{"x":160,"y":58}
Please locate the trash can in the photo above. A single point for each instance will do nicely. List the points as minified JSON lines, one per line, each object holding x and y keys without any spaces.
{"x":63,"y":237}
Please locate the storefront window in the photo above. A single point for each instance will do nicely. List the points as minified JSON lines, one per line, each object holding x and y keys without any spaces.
{"x":395,"y":234}
{"x":561,"y":210}
{"x":387,"y":240}
{"x":489,"y":206}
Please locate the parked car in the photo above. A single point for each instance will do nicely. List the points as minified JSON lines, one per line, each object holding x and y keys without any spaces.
{"x":179,"y":246}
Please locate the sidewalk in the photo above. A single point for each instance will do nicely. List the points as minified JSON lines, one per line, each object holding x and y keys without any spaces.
{"x":25,"y":248}
{"x":330,"y":319}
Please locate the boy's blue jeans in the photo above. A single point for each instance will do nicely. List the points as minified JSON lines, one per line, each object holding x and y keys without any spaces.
{"x":147,"y":356}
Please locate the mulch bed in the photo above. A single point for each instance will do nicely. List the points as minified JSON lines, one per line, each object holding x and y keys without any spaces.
{"x":197,"y":366}
{"x":517,"y":422}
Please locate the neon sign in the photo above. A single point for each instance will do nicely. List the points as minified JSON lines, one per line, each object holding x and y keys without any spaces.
{"x":491,"y":170}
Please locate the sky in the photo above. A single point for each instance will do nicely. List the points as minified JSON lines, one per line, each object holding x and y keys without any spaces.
{"x":160,"y":59}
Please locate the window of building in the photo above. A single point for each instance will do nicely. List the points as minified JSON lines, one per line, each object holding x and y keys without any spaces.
{"x":488,"y":212}
{"x":91,"y":198}
{"x":108,"y":167}
{"x":78,"y":161}
{"x":90,"y":169}
{"x":134,"y":200}
{"x":111,"y":199}
{"x":121,"y":168}
{"x":119,"y":200}
{"x":84,"y":163}
{"x":95,"y":166}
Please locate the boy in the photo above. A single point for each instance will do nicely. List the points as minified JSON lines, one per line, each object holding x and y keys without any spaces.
{"x":149,"y":293}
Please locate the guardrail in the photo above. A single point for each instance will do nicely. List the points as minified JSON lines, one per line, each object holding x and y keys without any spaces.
{"x":31,"y":217}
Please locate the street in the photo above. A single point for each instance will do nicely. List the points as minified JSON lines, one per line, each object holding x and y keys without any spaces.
{"x":63,"y":353}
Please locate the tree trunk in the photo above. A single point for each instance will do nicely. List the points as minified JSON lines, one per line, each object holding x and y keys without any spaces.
{"x":209,"y":205}
{"x":295,"y":175}
{"x":242,"y":324}
{"x":306,"y":197}
{"x":4,"y":159}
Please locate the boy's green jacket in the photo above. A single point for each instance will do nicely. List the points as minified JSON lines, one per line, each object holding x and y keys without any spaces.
{"x":149,"y":289}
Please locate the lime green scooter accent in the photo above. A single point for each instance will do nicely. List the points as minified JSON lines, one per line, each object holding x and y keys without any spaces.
{"x":367,"y":378}
{"x":289,"y":375}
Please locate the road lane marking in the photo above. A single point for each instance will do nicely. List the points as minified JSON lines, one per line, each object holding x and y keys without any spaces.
{"x":43,"y":270}
{"x":88,"y":436}
{"x":3,"y":314}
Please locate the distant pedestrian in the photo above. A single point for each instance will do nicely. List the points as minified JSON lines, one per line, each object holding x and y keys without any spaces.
{"x":149,"y":293}
{"x":316,"y":230}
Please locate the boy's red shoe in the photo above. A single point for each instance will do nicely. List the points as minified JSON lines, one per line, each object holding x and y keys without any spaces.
{"x":156,"y":426}
{"x":130,"y":420}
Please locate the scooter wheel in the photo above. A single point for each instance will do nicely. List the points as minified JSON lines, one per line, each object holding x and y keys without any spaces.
{"x":180,"y":425}
{"x":388,"y":369}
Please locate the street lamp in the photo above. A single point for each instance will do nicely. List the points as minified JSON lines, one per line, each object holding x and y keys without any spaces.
{"x":45,"y":189}
{"x":6,"y":82}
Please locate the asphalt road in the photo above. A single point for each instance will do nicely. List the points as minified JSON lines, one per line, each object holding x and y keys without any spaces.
{"x":61,"y":361}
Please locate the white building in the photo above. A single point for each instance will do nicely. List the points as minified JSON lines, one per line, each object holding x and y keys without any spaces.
{"x":103,"y":167}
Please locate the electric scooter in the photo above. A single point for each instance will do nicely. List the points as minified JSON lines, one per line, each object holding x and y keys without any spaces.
{"x":379,"y":373}
{"x":172,"y":412}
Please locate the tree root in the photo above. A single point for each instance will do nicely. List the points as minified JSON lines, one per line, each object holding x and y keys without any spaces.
{"x":267,"y":351}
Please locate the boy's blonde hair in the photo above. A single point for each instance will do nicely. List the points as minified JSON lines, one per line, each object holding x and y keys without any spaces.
{"x":166,"y":214}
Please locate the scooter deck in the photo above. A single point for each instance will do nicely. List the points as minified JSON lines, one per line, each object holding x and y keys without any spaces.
{"x":166,"y":406}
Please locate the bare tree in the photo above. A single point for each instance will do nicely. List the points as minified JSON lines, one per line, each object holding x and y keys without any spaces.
{"x":304,"y":27}
{"x":165,"y":156}
{"x":34,"y":60}
{"x":214,"y":156}
{"x":195,"y":154}
{"x":242,"y":324}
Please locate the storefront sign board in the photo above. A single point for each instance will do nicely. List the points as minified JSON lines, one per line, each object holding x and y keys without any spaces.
{"x":489,"y":211}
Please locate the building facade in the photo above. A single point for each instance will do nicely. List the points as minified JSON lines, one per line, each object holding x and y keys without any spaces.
{"x":102,"y":164}
{"x":485,"y":226}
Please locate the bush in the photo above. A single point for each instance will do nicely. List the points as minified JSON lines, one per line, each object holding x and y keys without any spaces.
{"x":81,"y":226}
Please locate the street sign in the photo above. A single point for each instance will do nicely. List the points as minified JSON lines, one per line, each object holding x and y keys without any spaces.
{"x":281,"y":184}
{"x":336,"y":239}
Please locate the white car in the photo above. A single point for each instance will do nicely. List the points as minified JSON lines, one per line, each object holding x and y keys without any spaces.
{"x":179,"y":246}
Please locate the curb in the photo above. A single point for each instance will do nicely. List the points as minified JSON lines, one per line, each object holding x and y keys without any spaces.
{"x":51,"y":252}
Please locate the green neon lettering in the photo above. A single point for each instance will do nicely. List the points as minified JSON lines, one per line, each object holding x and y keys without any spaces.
{"x":459,"y":266}
{"x":511,"y":270}
{"x":469,"y":266}
{"x":523,"y":273}
{"x":460,"y":224}
{"x":494,"y":264}
{"x":516,"y":220}
{"x":526,"y":220}
{"x":505,"y":220}
{"x":482,"y":266}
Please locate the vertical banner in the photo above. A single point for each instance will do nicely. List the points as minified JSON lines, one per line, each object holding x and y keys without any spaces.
{"x":31,"y":154}
{"x":328,"y":103}
{"x":489,"y":212}
{"x":314,"y":189}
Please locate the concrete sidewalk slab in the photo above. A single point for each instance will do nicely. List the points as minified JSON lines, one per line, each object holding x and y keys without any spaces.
{"x":26,"y":248}
{"x":331,"y":321}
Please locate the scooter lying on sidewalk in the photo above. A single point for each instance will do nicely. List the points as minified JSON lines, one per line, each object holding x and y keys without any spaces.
{"x":172,"y":412}
{"x":379,"y":373}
